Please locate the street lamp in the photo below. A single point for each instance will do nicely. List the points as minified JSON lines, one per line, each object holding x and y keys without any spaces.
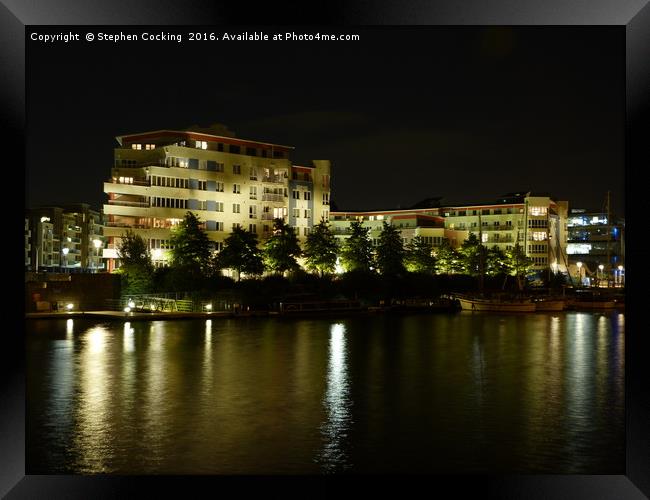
{"x":579,"y":264}
{"x":620,"y":275}
{"x":601,"y":267}
{"x":65,"y":251}
{"x":98,"y":244}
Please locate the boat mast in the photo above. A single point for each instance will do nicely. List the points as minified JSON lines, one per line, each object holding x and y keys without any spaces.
{"x":609,"y":240}
{"x":480,"y":254}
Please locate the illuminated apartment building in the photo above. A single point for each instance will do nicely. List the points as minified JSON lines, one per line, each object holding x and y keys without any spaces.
{"x":593,"y":238}
{"x":424,"y":222}
{"x":225,"y":181}
{"x":66,"y":239}
{"x":538,"y":223}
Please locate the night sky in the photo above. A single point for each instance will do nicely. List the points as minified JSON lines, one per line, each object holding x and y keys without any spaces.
{"x":466,"y":114}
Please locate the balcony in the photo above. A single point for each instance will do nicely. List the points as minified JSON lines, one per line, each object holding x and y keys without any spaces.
{"x":275,"y":179}
{"x":120,"y":203}
{"x":122,"y":224}
{"x":134,"y":183}
{"x":267,"y":217}
{"x":273,"y":197}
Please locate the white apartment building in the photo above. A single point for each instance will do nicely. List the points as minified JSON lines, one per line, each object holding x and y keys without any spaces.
{"x":225,"y":181}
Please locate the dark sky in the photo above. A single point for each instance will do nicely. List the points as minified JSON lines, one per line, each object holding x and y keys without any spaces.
{"x":403,"y":114}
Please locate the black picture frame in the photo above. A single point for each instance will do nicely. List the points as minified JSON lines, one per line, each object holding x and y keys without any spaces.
{"x":632,"y":15}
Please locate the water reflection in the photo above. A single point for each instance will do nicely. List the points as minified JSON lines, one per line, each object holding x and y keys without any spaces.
{"x":490,"y":393}
{"x":92,"y":411}
{"x":337,"y":404}
{"x":129,"y":338}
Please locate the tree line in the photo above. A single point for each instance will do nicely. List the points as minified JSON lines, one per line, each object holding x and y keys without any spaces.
{"x":192,"y":259}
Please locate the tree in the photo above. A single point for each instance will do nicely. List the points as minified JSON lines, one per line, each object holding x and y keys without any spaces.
{"x":321,"y":249}
{"x":447,"y":259}
{"x":241,"y":253}
{"x":136,"y":267}
{"x":496,"y":262}
{"x":419,"y":256}
{"x":519,"y":265}
{"x":356,"y":251}
{"x":282,"y":249}
{"x":390,"y":251}
{"x":473,"y":256}
{"x":190,"y":244}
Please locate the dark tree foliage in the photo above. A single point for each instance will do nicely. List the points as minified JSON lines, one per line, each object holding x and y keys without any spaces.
{"x":419,"y":256}
{"x":390,"y":251}
{"x":496,"y":262}
{"x":321,"y":249}
{"x":136,"y":267}
{"x":356,"y":251}
{"x":448,"y":260}
{"x":190,"y":244}
{"x":240,"y":253}
{"x":282,"y":250}
{"x":519,"y":265}
{"x":473,"y":256}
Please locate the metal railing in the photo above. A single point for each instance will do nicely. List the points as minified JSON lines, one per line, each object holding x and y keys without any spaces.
{"x":142,"y":204}
{"x":277,"y":179}
{"x":272,"y":197}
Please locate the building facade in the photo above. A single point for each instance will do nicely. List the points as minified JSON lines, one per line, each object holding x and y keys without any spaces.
{"x":594,"y":239}
{"x":65,"y":239}
{"x":226,"y":182}
{"x":537,"y":223}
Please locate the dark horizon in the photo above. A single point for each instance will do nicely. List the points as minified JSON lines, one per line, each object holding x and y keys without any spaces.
{"x":404,"y":114}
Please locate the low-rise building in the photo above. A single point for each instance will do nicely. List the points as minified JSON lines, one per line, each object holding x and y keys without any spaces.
{"x":537,"y":222}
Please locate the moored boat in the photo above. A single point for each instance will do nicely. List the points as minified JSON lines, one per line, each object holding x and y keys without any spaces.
{"x":496,"y":304}
{"x":550,"y":304}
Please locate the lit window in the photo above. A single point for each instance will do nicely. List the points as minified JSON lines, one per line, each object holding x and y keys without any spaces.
{"x":539,"y":236}
{"x":201,"y":144}
{"x":537,"y":211}
{"x":149,"y":146}
{"x":136,"y":146}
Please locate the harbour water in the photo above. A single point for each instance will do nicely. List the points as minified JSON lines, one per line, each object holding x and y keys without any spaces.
{"x":433,"y":393}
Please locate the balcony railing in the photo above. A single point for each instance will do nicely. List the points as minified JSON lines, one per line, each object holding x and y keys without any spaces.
{"x":278,"y":179}
{"x":142,"y":204}
{"x":267,"y":217}
{"x":134,"y":183}
{"x":272,"y":197}
{"x":122,"y":224}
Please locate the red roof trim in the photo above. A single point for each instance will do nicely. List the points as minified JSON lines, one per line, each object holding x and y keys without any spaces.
{"x":198,"y":136}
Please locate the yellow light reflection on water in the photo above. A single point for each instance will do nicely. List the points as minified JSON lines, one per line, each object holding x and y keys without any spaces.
{"x":93,"y":410}
{"x":129,"y":338}
{"x":336,"y":401}
{"x":69,"y":328}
